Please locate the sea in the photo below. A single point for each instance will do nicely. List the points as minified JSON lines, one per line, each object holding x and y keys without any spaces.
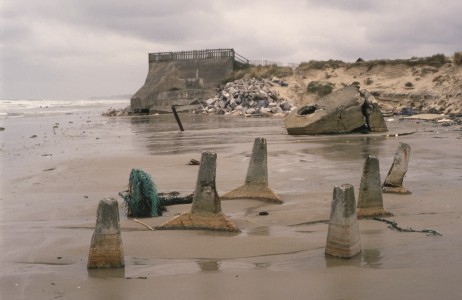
{"x":25,"y":108}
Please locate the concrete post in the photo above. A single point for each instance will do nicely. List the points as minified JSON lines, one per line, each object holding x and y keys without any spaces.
{"x":257,"y":172}
{"x":370,"y":200}
{"x":394,"y":181}
{"x":256,"y":181}
{"x":205,"y":195}
{"x":205,"y":213}
{"x":106,"y":250}
{"x":343,"y":238}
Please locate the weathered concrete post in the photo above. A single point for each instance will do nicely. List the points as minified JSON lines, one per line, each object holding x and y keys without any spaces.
{"x":106,"y":250}
{"x":206,"y":211}
{"x":394,"y":181}
{"x":205,"y":195}
{"x":343,"y":238}
{"x":256,"y":181}
{"x":370,"y":200}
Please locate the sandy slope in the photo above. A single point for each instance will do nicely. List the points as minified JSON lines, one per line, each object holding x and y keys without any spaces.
{"x":423,"y":88}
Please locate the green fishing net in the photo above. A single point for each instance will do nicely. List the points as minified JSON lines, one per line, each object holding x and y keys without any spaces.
{"x":141,"y":199}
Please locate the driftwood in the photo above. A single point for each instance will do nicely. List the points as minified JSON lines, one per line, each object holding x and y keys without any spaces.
{"x":394,"y":225}
{"x":193,"y":162}
{"x":174,"y":198}
{"x":398,"y":134}
{"x":142,"y":223}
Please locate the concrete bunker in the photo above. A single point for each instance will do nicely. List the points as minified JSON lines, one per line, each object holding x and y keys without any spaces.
{"x":346,"y":110}
{"x":307,"y":110}
{"x":184,"y":78}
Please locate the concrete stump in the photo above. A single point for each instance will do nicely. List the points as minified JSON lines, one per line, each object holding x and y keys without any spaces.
{"x":394,"y":181}
{"x":256,"y":181}
{"x":205,"y":213}
{"x":343,"y":238}
{"x":106,"y":250}
{"x":370,"y":200}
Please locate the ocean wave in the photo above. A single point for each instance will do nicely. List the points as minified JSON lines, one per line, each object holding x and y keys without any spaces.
{"x":19,"y":108}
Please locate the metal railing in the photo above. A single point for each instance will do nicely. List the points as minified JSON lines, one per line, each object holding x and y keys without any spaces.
{"x":240,"y":59}
{"x":264,"y":62}
{"x":213,"y":54}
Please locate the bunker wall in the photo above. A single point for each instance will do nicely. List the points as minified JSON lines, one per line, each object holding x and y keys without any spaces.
{"x":181,"y":82}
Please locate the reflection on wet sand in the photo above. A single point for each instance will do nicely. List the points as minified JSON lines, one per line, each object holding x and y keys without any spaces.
{"x":368,"y":258}
{"x":107,"y":273}
{"x":372,"y":258}
{"x":333,"y":262}
{"x":260,"y":231}
{"x":50,"y":214}
{"x":341,"y":148}
{"x":161,"y":136}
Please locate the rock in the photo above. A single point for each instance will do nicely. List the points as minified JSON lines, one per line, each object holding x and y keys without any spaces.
{"x":220,"y":111}
{"x":250,"y":111}
{"x":211,"y":101}
{"x":245,"y":95}
{"x":194,"y":162}
{"x":221,"y":104}
{"x":285,"y":106}
{"x":279,"y":81}
{"x":279,"y":115}
{"x":262,"y":103}
{"x":266,"y":113}
{"x":276,"y":110}
{"x":262,"y":95}
{"x":265,"y":110}
{"x":225,"y":95}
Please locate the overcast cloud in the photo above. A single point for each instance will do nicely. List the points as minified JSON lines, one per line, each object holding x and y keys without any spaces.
{"x":74,"y":49}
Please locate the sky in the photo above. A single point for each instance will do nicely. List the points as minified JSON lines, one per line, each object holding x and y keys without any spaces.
{"x":77,"y":49}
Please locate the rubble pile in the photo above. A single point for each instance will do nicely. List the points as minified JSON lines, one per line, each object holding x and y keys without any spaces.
{"x":252,"y":97}
{"x":243,"y":97}
{"x":113,"y":112}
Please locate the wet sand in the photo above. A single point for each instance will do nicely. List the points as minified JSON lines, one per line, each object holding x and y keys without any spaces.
{"x":52,"y":183}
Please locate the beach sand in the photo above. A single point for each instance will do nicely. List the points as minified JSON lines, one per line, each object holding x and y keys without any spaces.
{"x":55,"y":170}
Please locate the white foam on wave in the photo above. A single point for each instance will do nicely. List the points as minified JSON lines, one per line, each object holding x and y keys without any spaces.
{"x":19,"y":108}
